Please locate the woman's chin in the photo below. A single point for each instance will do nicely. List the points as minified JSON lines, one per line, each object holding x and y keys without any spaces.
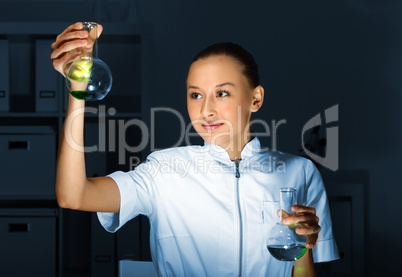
{"x":221,"y":141}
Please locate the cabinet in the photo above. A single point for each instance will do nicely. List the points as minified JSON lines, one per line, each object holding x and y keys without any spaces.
{"x":346,"y":202}
{"x":347,"y":195}
{"x":28,"y":154}
{"x":28,"y":239}
{"x":33,"y":101}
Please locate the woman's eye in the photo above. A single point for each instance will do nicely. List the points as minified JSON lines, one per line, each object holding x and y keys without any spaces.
{"x":222,"y":93}
{"x":195,"y":95}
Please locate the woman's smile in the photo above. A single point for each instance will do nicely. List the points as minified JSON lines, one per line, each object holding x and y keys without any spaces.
{"x":211,"y":126}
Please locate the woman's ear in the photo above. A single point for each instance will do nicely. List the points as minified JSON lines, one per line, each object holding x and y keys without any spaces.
{"x":258,"y":98}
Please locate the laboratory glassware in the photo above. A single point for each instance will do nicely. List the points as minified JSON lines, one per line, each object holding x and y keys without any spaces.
{"x":283,"y":242}
{"x":88,"y":77}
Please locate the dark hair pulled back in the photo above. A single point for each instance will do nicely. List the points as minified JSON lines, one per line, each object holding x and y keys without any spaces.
{"x":247,"y":63}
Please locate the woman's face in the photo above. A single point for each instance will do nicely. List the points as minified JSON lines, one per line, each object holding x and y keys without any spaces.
{"x":220,"y":102}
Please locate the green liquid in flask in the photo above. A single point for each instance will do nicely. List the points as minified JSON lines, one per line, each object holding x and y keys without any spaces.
{"x":287,"y":253}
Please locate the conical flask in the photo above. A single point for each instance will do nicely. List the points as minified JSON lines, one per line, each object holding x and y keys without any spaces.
{"x":283,"y":242}
{"x":87,"y":77}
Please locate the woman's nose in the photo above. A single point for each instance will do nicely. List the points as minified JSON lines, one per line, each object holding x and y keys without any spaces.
{"x":208,"y":108}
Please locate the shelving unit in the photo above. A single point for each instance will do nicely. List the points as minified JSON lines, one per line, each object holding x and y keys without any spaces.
{"x":33,"y":98}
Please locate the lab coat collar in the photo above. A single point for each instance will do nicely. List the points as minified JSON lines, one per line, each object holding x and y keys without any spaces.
{"x":250,"y":149}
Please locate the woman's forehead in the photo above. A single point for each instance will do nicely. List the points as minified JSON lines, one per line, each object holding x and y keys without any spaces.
{"x":215,"y":68}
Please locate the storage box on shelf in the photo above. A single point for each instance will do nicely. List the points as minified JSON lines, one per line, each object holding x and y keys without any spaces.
{"x":28,"y":156}
{"x":29,"y":240}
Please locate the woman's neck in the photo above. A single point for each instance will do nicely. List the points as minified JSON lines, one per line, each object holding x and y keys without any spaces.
{"x":235,"y":152}
{"x":234,"y":156}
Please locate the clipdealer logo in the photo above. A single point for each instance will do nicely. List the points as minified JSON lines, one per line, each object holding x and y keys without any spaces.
{"x":112,"y":137}
{"x":331,"y":158}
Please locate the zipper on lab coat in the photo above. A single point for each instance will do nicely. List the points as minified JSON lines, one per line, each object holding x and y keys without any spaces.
{"x":237,"y":163}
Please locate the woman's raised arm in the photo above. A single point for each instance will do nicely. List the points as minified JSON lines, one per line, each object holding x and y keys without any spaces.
{"x":73,"y":189}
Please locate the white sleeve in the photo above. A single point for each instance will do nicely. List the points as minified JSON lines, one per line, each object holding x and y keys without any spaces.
{"x":325,"y":250}
{"x":137,"y":192}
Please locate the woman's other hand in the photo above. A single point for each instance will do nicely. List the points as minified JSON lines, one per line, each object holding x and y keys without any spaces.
{"x":306,"y":217}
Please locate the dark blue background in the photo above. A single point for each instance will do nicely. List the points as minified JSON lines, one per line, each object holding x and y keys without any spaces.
{"x":312,"y":55}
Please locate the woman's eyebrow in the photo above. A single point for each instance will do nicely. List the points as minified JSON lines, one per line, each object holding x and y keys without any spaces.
{"x":193,"y":87}
{"x":226,"y":84}
{"x":217,"y":86}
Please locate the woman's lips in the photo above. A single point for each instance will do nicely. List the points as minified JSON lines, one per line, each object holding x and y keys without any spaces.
{"x":211,"y":126}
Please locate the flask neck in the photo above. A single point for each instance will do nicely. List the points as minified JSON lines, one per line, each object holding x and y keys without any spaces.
{"x":91,"y":49}
{"x":287,"y":200}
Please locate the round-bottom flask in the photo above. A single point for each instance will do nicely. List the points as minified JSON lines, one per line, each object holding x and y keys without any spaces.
{"x":283,"y":242}
{"x":87,"y":77}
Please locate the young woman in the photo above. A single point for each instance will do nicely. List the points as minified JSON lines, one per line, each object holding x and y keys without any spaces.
{"x":212,"y":219}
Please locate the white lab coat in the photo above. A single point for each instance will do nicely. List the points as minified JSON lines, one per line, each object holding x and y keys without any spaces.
{"x":210,"y":218}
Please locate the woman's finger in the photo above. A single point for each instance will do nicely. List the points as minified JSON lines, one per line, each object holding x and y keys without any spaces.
{"x":65,"y":43}
{"x":99,"y":30}
{"x":308,"y":230}
{"x":76,"y":26}
{"x":67,"y":47}
{"x":75,"y":35}
{"x":60,"y":63}
{"x":309,"y":219}
{"x":282,"y":213}
{"x":303,"y":209}
{"x":312,"y":241}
